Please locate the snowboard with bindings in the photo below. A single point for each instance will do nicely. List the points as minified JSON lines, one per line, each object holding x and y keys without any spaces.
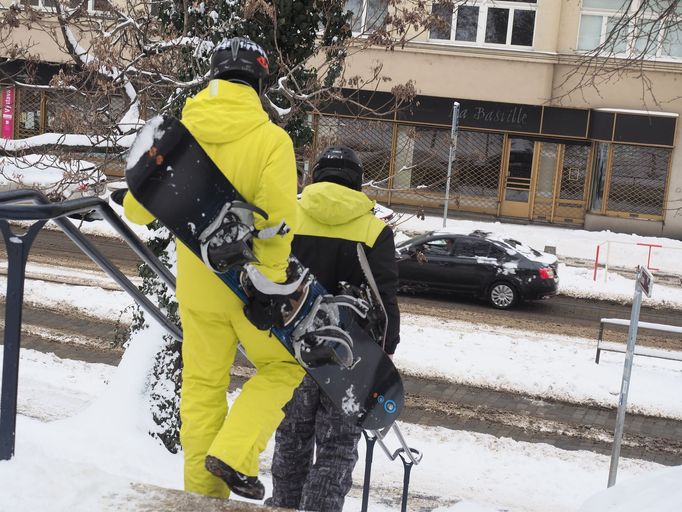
{"x":170,"y":174}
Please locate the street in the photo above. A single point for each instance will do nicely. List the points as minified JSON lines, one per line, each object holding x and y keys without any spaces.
{"x":429,"y":401}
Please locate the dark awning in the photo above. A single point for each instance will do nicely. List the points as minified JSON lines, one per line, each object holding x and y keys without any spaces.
{"x":613,"y":125}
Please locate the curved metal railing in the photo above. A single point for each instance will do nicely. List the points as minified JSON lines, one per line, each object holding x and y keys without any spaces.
{"x":31,"y":205}
{"x":13,"y":207}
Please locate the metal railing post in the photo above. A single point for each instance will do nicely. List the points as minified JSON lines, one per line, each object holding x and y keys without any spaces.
{"x":371,"y":439}
{"x":453,"y":147}
{"x":18,"y":247}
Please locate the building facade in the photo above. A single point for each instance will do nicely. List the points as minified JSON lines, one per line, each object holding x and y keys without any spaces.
{"x":545,"y":134}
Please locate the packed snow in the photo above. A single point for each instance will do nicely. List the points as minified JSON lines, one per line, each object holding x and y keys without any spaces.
{"x":82,"y":428}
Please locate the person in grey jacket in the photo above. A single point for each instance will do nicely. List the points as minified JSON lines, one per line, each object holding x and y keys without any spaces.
{"x":333,"y":216}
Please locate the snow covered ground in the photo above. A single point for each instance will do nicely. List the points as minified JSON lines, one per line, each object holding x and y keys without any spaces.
{"x":81,"y":432}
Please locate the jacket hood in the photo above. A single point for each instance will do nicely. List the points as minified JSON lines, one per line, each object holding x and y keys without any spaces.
{"x":332,"y":204}
{"x":223,"y":112}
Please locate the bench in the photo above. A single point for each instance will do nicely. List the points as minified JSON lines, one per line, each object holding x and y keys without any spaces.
{"x":641,"y":351}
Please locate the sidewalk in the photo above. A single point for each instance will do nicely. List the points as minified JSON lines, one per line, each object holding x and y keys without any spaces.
{"x":147,"y":498}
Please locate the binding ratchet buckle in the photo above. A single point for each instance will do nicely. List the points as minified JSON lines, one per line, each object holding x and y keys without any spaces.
{"x":320,"y":337}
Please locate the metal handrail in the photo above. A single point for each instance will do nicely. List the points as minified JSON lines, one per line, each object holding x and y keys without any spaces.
{"x":412,"y":454}
{"x":13,"y":206}
{"x":41,"y":210}
{"x":409,"y":456}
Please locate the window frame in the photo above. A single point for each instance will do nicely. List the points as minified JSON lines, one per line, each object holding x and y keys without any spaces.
{"x":363,"y":28}
{"x":630,"y":48}
{"x":602,"y":179}
{"x":482,"y":23}
{"x":41,"y":5}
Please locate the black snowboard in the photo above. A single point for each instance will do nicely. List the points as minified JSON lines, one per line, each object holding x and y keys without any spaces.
{"x":173,"y":178}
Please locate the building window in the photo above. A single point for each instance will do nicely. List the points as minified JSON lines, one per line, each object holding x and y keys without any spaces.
{"x":636,"y":177}
{"x":630,"y":28}
{"x":93,"y":5}
{"x":368,"y":15}
{"x":486,"y":22}
{"x":637,"y":180}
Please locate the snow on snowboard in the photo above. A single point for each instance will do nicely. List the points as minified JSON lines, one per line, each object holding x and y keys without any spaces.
{"x":174,"y":179}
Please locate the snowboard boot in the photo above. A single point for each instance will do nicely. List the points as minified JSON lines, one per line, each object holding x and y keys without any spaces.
{"x":245,"y":486}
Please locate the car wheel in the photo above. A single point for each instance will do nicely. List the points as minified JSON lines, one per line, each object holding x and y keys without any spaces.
{"x":502,"y":295}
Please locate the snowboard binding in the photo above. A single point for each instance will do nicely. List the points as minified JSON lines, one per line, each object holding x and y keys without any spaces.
{"x":227,"y":241}
{"x":321,"y":338}
{"x":372,"y":318}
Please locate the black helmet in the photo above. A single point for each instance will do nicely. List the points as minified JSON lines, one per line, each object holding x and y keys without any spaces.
{"x":240,"y":60}
{"x":340,"y":165}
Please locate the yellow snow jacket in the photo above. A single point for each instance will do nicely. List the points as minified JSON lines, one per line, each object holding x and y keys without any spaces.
{"x":257,"y":156}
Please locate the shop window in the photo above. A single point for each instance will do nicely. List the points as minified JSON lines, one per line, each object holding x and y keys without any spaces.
{"x":370,"y":139}
{"x":476,"y":174}
{"x":631,"y":28}
{"x":486,"y":22}
{"x":637,"y":179}
{"x":368,"y":15}
{"x":601,"y":154}
{"x":573,"y":172}
{"x":422,"y":158}
{"x":28,"y":113}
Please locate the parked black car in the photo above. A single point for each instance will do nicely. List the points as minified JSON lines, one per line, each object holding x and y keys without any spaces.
{"x":498,"y":269}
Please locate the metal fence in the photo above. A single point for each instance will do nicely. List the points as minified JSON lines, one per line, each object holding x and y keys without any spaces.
{"x":407,"y":164}
{"x":39,"y":110}
{"x":638,"y":178}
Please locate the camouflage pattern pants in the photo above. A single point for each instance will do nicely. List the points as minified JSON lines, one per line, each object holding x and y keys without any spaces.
{"x":312,"y":422}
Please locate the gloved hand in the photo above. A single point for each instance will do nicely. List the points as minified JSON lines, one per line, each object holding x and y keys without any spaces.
{"x":268,"y":310}
{"x":264,"y":311}
{"x":261,"y":310}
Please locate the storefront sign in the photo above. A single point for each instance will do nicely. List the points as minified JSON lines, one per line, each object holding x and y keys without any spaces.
{"x":511,"y":115}
{"x":489,"y":115}
{"x":500,"y":116}
{"x":7,"y":131}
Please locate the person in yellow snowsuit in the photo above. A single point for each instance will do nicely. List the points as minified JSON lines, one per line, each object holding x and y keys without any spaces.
{"x":228,"y":121}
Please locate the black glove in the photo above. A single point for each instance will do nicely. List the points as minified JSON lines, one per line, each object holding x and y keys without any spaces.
{"x":262,"y":310}
{"x":265,"y":311}
{"x":268,"y":310}
{"x":118,"y":195}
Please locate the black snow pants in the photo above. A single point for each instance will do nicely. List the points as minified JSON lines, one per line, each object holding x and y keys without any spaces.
{"x":312,"y":422}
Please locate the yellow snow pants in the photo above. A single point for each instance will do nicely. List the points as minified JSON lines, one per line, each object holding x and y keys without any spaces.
{"x":238,"y":437}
